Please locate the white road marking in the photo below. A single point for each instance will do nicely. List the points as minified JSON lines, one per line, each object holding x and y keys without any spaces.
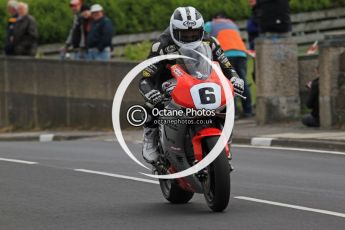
{"x":290,"y":149}
{"x":338,"y":214}
{"x":318,"y":135}
{"x":46,"y":137}
{"x":277,"y":148}
{"x":261,"y":141}
{"x":117,"y":176}
{"x":18,"y":161}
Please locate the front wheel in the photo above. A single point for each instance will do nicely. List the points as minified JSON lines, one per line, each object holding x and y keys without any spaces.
{"x":217,"y":185}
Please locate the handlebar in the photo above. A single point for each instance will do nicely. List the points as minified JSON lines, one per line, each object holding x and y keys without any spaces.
{"x":239,"y":95}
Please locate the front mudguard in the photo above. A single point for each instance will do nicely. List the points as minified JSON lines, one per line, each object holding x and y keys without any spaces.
{"x":204,"y":133}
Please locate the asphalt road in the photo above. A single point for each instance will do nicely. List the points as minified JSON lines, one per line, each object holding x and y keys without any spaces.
{"x":271,"y":189}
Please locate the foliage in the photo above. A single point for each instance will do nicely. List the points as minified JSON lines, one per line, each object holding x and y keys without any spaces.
{"x":137,"y":52}
{"x":54,"y":18}
{"x":310,"y":5}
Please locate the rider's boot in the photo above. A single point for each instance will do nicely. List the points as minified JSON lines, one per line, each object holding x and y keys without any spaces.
{"x":150,"y":147}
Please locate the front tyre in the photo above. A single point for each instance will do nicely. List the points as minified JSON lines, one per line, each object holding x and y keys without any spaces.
{"x":173,"y":193}
{"x":217,"y":185}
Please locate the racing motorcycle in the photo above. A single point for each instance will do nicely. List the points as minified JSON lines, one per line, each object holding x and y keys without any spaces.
{"x":185,"y":141}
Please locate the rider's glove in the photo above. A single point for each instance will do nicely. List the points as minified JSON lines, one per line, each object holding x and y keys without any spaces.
{"x":169,"y":86}
{"x":237,"y":82}
{"x":238,"y":85}
{"x":170,"y":89}
{"x":154,"y":97}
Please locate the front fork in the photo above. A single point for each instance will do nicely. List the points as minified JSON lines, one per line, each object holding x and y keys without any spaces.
{"x":204,"y":133}
{"x":198,"y":149}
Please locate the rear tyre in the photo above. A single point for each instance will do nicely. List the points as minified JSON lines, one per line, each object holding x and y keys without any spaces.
{"x":173,"y":193}
{"x":217,"y":185}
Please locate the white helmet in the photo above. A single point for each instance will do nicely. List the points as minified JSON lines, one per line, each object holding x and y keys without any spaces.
{"x":187,"y":27}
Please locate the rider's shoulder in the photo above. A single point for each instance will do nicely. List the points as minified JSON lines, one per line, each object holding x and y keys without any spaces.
{"x":211,"y":41}
{"x":164,"y":44}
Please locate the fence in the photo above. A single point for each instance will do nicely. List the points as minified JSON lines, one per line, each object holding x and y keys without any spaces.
{"x":43,"y":94}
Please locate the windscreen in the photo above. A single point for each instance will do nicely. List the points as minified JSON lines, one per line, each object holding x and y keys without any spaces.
{"x":197,"y":66}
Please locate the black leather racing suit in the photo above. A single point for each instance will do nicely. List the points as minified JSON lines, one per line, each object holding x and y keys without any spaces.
{"x":154,"y":75}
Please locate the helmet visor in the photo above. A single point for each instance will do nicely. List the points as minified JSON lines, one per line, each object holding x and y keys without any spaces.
{"x":188,"y":36}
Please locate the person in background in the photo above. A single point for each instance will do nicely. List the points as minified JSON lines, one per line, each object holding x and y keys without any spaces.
{"x":99,"y":40}
{"x":274,"y":17}
{"x":82,"y":31}
{"x":12,"y":11}
{"x":228,"y":35}
{"x":77,"y":37}
{"x":253,"y":30}
{"x":252,"y":25}
{"x":25,"y":35}
{"x":313,"y":119}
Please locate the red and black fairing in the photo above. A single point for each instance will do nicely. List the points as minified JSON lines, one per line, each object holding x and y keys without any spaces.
{"x":181,"y":94}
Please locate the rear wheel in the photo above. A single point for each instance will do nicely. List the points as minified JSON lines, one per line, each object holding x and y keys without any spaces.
{"x":170,"y":188}
{"x":217,"y":185}
{"x":173,"y":193}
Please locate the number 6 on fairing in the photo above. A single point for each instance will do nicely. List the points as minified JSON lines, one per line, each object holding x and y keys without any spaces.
{"x":206,"y":95}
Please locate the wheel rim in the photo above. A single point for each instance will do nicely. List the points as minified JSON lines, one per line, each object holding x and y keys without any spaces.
{"x":209,"y":186}
{"x":166,"y":187}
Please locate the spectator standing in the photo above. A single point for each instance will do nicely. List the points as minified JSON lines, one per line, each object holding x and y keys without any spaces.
{"x":228,"y":35}
{"x":77,"y":35}
{"x":252,"y":25}
{"x":12,"y":6}
{"x":274,"y":17}
{"x":25,"y":35}
{"x":85,"y":28}
{"x":99,"y":40}
{"x":253,"y":30}
{"x":313,"y":119}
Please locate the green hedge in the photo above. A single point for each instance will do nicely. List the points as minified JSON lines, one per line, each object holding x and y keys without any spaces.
{"x":138,"y":52}
{"x":310,"y":5}
{"x":130,"y":16}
